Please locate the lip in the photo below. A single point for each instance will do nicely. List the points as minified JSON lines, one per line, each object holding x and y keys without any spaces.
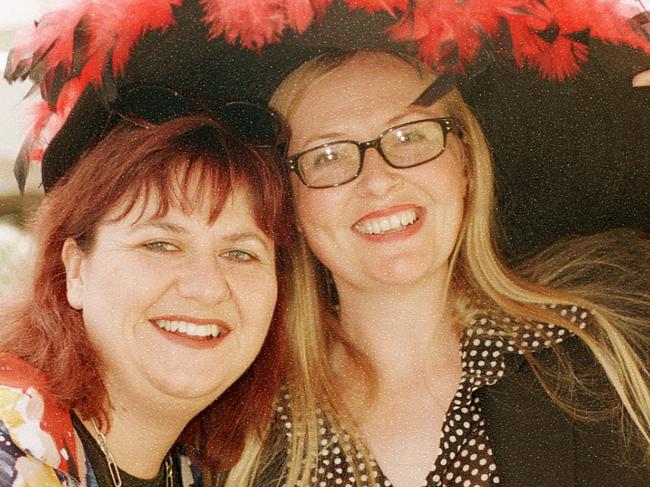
{"x":388,"y":212}
{"x":196,"y":343}
{"x":393,"y":236}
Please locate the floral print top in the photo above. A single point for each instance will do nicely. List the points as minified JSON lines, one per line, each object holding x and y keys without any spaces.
{"x":38,"y":445}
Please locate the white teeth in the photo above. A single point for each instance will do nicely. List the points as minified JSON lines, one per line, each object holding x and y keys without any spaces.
{"x":387,"y":224}
{"x":190,"y":329}
{"x":395,"y":221}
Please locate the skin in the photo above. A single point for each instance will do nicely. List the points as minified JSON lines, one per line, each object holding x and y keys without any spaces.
{"x":392,"y":288}
{"x":179,"y":267}
{"x":641,"y":79}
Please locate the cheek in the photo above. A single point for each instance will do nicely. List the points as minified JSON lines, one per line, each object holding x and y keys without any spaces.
{"x":306,"y":204}
{"x":445,"y":182}
{"x":257,"y":296}
{"x":317,"y":209}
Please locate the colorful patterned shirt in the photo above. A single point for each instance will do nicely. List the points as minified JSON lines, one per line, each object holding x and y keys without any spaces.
{"x":38,"y":445}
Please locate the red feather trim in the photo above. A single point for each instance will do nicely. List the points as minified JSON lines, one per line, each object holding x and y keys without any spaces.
{"x":449,"y":28}
{"x":252,"y":23}
{"x":51,"y":40}
{"x":116,"y":26}
{"x":558,"y":54}
{"x":371,"y":6}
{"x":45,"y":53}
{"x":33,"y":146}
{"x":300,"y":14}
{"x":47,"y":122}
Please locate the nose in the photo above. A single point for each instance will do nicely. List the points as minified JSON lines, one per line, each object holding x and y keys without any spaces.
{"x":203,"y":281}
{"x":377,"y":176}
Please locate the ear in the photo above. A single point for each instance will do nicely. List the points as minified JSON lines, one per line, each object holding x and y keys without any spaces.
{"x":73,"y":260}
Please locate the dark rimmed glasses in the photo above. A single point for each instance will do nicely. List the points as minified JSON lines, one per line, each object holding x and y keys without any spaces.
{"x":406,"y":145}
{"x":148,"y":105}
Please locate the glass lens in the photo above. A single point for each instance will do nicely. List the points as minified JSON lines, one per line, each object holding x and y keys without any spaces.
{"x":413,"y":143}
{"x":330,"y":165}
{"x":255,"y":123}
{"x":149,"y":105}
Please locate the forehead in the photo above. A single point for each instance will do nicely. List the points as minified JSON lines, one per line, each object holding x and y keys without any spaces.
{"x":372,"y":74}
{"x":369,"y":87}
{"x":194,"y":197}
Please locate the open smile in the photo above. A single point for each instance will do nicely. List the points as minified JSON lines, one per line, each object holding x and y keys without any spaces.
{"x":194,"y":329}
{"x":393,"y":221}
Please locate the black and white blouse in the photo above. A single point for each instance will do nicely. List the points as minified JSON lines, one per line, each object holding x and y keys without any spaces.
{"x":465,"y":456}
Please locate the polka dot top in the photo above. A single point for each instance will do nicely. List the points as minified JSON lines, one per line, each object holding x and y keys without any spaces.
{"x":465,"y":456}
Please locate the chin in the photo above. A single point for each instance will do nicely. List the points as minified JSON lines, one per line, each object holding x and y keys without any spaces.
{"x":190,"y":389}
{"x":412,"y":270}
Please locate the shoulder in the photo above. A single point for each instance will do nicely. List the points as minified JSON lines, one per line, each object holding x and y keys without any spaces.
{"x":38,"y":439}
{"x":537,"y":441}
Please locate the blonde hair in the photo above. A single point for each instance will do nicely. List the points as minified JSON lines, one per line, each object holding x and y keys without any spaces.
{"x":478,"y":281}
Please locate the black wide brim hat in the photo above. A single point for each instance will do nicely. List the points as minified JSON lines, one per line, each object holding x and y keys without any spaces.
{"x":571,"y":156}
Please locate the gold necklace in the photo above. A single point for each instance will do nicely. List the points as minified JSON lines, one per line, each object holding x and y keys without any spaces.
{"x":115,"y":471}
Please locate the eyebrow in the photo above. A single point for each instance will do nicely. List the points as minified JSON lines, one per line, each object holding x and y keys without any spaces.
{"x":240,"y":236}
{"x":163,"y":225}
{"x":322,"y":138}
{"x":391,"y":122}
{"x":397,"y":119}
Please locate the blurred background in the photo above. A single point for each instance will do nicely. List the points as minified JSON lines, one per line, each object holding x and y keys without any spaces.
{"x":15,"y":208}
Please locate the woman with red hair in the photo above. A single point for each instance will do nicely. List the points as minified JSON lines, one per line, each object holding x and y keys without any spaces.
{"x":131,"y":358}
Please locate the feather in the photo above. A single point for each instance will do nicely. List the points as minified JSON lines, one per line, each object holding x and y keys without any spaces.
{"x":572,"y":23}
{"x":70,"y":49}
{"x":606,"y":20}
{"x":31,"y":149}
{"x":114,"y":27}
{"x":47,"y":45}
{"x":450,"y":33}
{"x":641,"y":24}
{"x":251,"y":23}
{"x":300,"y":14}
{"x":86,"y":35}
{"x":21,"y":166}
{"x":371,"y":6}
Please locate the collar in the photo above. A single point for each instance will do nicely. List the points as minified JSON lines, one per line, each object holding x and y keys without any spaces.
{"x":494,"y":347}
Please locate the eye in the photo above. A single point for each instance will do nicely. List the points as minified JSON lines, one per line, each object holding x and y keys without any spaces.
{"x":161,"y":246}
{"x":409,"y":135}
{"x":325,"y":156}
{"x":240,"y":256}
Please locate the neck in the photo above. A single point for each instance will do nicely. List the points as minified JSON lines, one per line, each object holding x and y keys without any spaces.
{"x":141,"y":436}
{"x":403,"y":329}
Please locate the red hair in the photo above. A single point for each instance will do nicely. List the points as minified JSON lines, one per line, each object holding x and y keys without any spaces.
{"x":130,"y":163}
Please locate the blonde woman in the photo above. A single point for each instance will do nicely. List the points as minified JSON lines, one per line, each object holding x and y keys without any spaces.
{"x":430,"y":363}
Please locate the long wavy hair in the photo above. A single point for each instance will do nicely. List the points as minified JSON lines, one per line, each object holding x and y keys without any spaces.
{"x":478,"y":281}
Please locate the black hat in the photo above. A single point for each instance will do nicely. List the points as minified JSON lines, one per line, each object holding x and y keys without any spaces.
{"x":551,"y":86}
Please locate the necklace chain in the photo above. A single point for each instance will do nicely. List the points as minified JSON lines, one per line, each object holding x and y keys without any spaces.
{"x":115,"y":471}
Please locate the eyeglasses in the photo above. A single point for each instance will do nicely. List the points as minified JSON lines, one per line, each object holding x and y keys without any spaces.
{"x":147,"y":105}
{"x":406,"y":145}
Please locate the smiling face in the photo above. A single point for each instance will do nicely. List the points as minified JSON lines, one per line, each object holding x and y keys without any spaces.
{"x":389,"y":226}
{"x":177,"y":306}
